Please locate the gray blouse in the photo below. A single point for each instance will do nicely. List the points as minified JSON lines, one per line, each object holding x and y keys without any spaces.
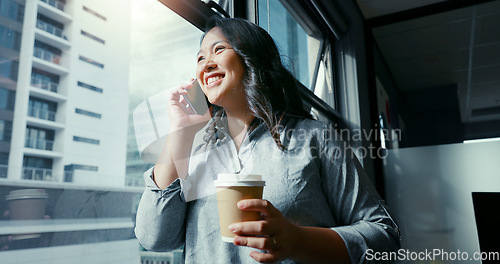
{"x":316,"y":181}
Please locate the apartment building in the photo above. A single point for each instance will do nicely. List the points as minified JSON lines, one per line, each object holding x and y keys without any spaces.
{"x":71,"y":92}
{"x":64,"y":99}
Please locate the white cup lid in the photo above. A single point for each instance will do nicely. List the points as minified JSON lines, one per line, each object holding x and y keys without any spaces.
{"x":27,"y":194}
{"x":233,"y":179}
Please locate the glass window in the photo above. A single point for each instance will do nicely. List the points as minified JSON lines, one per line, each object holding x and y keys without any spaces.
{"x":90,"y":11}
{"x":90,"y":87}
{"x":7,"y":98}
{"x":8,"y":68}
{"x":87,"y":172}
{"x":43,"y":109}
{"x":86,"y":140}
{"x":12,"y":10}
{"x":95,"y":63}
{"x":299,"y":50}
{"x":5,"y":130}
{"x":10,"y":38}
{"x":85,"y":33}
{"x":87,"y":113}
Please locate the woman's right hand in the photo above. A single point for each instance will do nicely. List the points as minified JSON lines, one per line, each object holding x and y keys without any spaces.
{"x":180,"y":114}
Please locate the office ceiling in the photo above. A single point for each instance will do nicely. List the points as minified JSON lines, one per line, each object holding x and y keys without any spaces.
{"x":459,"y":47}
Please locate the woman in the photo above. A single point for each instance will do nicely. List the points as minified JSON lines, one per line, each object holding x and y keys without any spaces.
{"x":318,"y":205}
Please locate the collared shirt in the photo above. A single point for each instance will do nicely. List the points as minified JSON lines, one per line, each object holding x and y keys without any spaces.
{"x":315,"y":181}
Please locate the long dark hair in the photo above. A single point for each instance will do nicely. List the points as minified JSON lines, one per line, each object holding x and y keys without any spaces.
{"x":271,"y":90}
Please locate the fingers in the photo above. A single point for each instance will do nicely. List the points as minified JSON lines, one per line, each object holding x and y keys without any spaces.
{"x":189,"y":85}
{"x":176,"y":97}
{"x":269,"y":257}
{"x":271,"y":253}
{"x":263,"y":206}
{"x":253,"y":228}
{"x":264,"y":243}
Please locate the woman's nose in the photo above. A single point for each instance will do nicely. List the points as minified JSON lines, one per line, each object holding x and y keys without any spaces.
{"x":209,"y":64}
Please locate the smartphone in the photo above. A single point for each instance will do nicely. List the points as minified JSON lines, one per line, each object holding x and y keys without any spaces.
{"x":197,"y":99}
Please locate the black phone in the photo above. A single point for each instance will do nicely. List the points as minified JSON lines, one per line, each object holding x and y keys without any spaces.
{"x":196,"y":99}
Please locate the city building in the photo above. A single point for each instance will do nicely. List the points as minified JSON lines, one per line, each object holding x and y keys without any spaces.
{"x":64,"y":92}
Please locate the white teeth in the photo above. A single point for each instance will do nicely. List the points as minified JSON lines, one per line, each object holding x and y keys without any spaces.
{"x":213,"y":79}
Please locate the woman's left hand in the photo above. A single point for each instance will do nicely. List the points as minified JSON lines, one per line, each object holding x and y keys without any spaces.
{"x":273,"y":233}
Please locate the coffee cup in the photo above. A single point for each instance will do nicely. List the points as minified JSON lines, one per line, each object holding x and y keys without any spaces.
{"x":232,"y":188}
{"x":26,"y":204}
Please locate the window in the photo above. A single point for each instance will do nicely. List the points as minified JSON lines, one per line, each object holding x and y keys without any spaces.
{"x":86,"y":140}
{"x":291,"y":39}
{"x":8,"y":68}
{"x":94,"y":13}
{"x":59,"y":4}
{"x":42,"y":109}
{"x":4,"y":161}
{"x":94,"y":187}
{"x":9,"y":38}
{"x":85,"y":59}
{"x":5,"y":130}
{"x":87,"y":113}
{"x":7,"y":98}
{"x":11,"y":9}
{"x":85,"y":33}
{"x":36,"y":168}
{"x":47,"y":52}
{"x":73,"y":167}
{"x":49,"y":25}
{"x":39,"y":138}
{"x":36,"y":162}
{"x":90,"y":87}
{"x":44,"y":80}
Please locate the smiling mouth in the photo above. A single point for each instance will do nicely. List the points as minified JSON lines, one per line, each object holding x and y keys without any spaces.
{"x":214,"y":79}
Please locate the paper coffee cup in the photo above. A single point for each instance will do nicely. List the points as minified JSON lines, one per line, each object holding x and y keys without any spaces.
{"x":232,"y":188}
{"x":27,"y":204}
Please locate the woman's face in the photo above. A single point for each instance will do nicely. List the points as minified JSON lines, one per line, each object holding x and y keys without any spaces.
{"x":220,"y":71}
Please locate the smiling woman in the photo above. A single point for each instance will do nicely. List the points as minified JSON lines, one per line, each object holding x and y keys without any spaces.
{"x":315,"y":190}
{"x":220,"y":72}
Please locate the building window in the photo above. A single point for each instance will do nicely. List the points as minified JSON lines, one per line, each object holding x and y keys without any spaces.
{"x":299,"y":50}
{"x":44,"y":80}
{"x":49,"y":25}
{"x":85,"y":33}
{"x":85,"y":59}
{"x":42,"y":109}
{"x":5,"y":130}
{"x":94,"y":13}
{"x":59,"y":4}
{"x":91,"y":87}
{"x":47,"y":52}
{"x":8,"y":68}
{"x":73,"y":167}
{"x":87,"y":113}
{"x":7,"y":99}
{"x":4,"y":161}
{"x":11,"y":9}
{"x":39,"y":138}
{"x":10,"y":38}
{"x":35,"y":168}
{"x":35,"y":162}
{"x":86,"y":140}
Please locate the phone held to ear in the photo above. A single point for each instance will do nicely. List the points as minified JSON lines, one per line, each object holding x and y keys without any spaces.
{"x":196,"y":99}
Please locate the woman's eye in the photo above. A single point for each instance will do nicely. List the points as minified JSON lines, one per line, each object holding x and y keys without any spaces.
{"x":200,"y":59}
{"x":219,"y":48}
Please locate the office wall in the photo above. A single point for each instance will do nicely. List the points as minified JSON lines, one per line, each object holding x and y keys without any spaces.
{"x":429,"y":193}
